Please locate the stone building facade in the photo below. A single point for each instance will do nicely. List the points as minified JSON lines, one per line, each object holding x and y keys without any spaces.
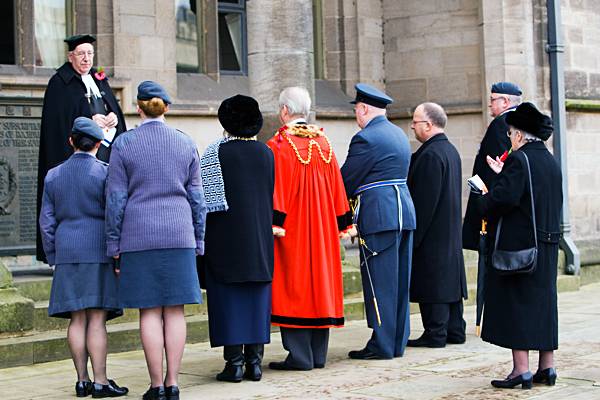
{"x":447,"y":51}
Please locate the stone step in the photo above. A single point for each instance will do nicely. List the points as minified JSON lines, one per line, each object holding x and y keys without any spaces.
{"x":37,"y":287}
{"x":38,"y":347}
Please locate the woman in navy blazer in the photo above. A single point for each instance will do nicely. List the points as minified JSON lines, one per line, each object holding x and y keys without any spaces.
{"x":84,"y":287}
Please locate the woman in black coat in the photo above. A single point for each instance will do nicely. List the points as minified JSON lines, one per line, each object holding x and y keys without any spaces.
{"x":238,"y":174}
{"x":520,"y":311}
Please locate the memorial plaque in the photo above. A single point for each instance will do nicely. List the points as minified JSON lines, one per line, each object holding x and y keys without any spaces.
{"x":20,"y":120}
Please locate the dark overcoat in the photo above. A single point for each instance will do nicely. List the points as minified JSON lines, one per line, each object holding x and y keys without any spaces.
{"x":435,"y":182}
{"x":239,"y":241}
{"x":520,"y":311}
{"x":64,"y":101}
{"x":494,"y":143}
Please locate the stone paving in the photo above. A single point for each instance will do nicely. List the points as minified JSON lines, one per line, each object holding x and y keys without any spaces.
{"x":455,"y":372}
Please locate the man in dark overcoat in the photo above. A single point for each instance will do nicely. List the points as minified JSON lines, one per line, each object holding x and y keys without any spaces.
{"x":438,"y":281}
{"x":75,"y":90}
{"x":504,"y":96}
{"x":375,"y":175}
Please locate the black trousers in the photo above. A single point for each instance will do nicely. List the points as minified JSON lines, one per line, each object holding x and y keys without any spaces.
{"x":443,"y":322}
{"x":307,"y":346}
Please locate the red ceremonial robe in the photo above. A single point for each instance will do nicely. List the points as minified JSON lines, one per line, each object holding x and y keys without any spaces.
{"x":310,"y":204}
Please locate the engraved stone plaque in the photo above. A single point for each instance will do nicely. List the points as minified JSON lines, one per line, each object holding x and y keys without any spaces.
{"x":20,"y":120}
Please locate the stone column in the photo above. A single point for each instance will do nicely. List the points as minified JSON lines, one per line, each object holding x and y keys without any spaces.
{"x":509,"y":40}
{"x":280,"y":52}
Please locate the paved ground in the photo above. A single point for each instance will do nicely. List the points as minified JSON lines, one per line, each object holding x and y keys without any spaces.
{"x":456,"y":372}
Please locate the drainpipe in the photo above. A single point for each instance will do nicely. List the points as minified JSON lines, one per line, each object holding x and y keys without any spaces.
{"x":555,"y":50}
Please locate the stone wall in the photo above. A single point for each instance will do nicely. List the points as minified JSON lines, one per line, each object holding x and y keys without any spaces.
{"x":581,"y":24}
{"x":432,"y":52}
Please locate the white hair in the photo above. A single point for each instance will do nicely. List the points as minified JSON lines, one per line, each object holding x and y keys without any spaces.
{"x":514,"y":100}
{"x":296,"y":99}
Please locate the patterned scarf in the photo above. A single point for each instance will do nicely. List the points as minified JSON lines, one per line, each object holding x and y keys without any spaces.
{"x":212,"y":177}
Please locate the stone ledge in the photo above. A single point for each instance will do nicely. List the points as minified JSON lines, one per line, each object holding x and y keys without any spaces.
{"x":582,"y":105}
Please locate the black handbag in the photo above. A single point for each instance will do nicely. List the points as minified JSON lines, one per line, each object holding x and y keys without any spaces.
{"x":512,"y":262}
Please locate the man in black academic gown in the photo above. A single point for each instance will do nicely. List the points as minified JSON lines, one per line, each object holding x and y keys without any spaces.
{"x":504,"y":96}
{"x":75,"y":90}
{"x":438,"y":281}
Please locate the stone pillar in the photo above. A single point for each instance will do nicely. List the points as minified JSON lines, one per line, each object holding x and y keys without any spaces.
{"x":280,"y":53}
{"x":509,"y":52}
{"x":16,"y":311}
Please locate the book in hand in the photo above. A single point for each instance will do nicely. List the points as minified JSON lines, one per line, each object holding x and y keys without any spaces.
{"x":477,"y":185}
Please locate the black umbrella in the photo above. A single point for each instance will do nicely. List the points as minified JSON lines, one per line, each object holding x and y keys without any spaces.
{"x":481,"y":267}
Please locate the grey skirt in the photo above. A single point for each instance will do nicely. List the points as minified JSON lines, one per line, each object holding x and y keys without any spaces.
{"x":81,"y":286}
{"x":156,"y":278}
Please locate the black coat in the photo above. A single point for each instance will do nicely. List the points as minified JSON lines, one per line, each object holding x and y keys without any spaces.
{"x":520,"y":311}
{"x":435,"y":181}
{"x":494,"y":143}
{"x":64,"y":101}
{"x":239,"y":241}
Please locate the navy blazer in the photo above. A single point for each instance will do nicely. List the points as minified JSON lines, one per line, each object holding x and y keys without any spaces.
{"x":379,"y":152}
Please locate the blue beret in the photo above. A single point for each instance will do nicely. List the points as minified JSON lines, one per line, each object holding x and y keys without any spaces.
{"x":85,"y":126}
{"x":149,"y":89}
{"x":506,"y":88}
{"x":369,"y":95}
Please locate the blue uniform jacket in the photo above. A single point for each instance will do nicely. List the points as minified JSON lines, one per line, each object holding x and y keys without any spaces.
{"x":379,"y":152}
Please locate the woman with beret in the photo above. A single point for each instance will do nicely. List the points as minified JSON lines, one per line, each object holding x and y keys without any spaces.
{"x":155,"y":217}
{"x":520,"y":311}
{"x":84,"y":287}
{"x":238,"y":177}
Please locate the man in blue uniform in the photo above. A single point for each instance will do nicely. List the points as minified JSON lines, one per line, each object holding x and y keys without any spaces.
{"x":375,"y":177}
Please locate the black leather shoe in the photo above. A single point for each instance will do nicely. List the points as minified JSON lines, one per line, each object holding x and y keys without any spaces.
{"x":423,"y":342}
{"x":284,"y":366}
{"x":100,"y":391}
{"x":83,"y":388}
{"x":156,"y":393}
{"x":172,"y":392}
{"x":317,"y":365}
{"x":525,"y":380}
{"x":455,"y":341}
{"x":547,"y":376}
{"x":231,"y":373}
{"x":364,"y":354}
{"x":253,"y":372}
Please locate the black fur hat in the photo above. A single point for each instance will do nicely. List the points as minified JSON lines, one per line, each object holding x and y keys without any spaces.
{"x":240,"y":116}
{"x":528,"y":118}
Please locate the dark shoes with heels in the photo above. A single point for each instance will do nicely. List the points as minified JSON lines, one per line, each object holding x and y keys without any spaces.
{"x":99,"y":391}
{"x":162,"y":393}
{"x":525,"y":380}
{"x":547,"y":376}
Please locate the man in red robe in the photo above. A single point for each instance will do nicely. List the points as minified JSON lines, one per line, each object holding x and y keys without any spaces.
{"x":310,"y":213}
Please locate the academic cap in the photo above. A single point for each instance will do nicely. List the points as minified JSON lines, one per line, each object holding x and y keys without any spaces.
{"x":85,"y":126}
{"x":76,"y":40}
{"x":369,"y":95}
{"x":506,"y":88}
{"x":147,"y":90}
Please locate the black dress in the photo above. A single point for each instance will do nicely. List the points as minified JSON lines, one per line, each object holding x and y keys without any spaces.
{"x":238,"y":257}
{"x":520,"y":311}
{"x":435,"y":183}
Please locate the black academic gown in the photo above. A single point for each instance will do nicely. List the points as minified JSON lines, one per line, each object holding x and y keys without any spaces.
{"x":64,"y":101}
{"x":435,"y":181}
{"x":520,"y":311}
{"x":494,"y":143}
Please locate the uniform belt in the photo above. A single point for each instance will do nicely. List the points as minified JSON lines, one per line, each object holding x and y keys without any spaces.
{"x":391,"y":182}
{"x":373,"y":185}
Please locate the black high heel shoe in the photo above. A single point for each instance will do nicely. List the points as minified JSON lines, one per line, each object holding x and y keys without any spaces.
{"x":83,"y":388}
{"x":525,"y":380}
{"x":547,"y":376}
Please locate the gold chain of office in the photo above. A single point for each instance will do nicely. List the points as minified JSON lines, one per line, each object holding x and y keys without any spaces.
{"x":307,"y":131}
